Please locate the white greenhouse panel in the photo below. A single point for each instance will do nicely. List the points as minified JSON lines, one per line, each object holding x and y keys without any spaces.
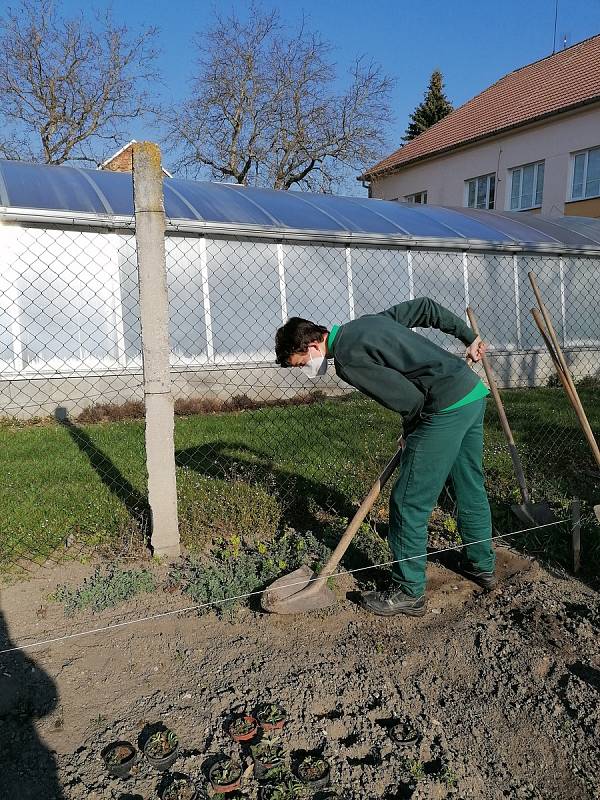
{"x":316,"y":280}
{"x":68,"y":299}
{"x":380,"y":279}
{"x":492,"y":296}
{"x":187,"y":320}
{"x":440,"y":276}
{"x":245,"y":299}
{"x":581,"y":278}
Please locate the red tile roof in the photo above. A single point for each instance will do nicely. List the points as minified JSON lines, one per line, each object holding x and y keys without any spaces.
{"x":563,"y":81}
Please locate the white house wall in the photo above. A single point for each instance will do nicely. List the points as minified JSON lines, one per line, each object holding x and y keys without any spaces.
{"x":552,"y":141}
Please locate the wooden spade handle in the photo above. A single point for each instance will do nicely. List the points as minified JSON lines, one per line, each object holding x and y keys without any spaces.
{"x":572,"y":392}
{"x":357,"y":519}
{"x":539,"y":321}
{"x":551,"y":342}
{"x":518,"y":467}
{"x":550,"y":330}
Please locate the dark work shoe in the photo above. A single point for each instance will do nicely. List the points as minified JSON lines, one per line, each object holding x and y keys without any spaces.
{"x":393,"y":601}
{"x":487,"y":580}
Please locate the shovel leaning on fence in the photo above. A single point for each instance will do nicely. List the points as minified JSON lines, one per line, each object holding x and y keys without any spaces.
{"x":527,"y":512}
{"x":546,"y":329}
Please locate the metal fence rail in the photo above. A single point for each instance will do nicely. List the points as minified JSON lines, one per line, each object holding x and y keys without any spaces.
{"x":257,"y":447}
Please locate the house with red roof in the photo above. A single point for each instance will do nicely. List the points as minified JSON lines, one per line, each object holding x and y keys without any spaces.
{"x":530,"y":142}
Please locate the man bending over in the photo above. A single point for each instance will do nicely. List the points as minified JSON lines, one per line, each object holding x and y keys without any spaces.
{"x":442,"y":403}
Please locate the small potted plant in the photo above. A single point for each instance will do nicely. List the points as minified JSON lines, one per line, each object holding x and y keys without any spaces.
{"x":180,"y":787}
{"x":276,"y":775}
{"x":271,"y":717}
{"x":267,"y":755}
{"x":289,"y":789}
{"x":161,"y":749}
{"x":243,"y":729}
{"x":404,"y":733}
{"x":225,"y":776}
{"x":119,"y":758}
{"x":314,"y":772}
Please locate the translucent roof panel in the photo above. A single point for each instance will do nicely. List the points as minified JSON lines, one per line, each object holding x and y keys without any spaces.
{"x":217,"y":202}
{"x":510,"y":226}
{"x":39,"y":188}
{"x":50,"y":188}
{"x":114,"y":188}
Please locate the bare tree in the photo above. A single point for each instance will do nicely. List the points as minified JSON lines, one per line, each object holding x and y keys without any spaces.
{"x":67,"y":88}
{"x":265,"y":108}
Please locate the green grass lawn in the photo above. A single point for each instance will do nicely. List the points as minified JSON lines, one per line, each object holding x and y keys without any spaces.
{"x":250,"y":473}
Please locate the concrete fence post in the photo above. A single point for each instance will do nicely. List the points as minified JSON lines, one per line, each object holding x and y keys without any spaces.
{"x":154,"y":313}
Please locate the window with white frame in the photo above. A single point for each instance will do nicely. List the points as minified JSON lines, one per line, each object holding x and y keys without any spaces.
{"x":527,"y":186}
{"x":586,"y":174}
{"x":418,"y":197}
{"x":480,"y":192}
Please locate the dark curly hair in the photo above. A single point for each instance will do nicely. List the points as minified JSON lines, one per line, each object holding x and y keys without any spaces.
{"x":294,"y":337}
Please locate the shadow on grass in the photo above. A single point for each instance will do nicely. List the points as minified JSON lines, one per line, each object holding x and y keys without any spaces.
{"x":306,"y":503}
{"x":27,"y":694}
{"x":135,"y":502}
{"x":557,"y":461}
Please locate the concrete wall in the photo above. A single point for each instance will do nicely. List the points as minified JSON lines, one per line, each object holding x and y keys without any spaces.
{"x":25,"y":399}
{"x":552,"y":141}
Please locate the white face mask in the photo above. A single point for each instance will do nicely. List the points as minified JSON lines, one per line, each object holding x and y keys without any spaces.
{"x":316,"y":366}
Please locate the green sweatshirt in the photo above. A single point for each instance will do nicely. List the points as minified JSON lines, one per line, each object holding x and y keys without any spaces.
{"x":380,"y":356}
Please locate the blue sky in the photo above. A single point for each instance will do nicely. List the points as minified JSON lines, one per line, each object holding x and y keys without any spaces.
{"x":473,"y":43}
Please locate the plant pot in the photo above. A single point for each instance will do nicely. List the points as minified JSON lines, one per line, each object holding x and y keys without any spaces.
{"x":124,"y":754}
{"x":314,"y":772}
{"x":180,"y":787}
{"x":246,"y":721}
{"x":224,"y":783}
{"x":267,"y":755}
{"x":157,"y":750}
{"x":286,"y":791}
{"x":404,"y":734}
{"x":271,"y":717}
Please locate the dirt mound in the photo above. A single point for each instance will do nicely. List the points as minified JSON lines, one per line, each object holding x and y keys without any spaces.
{"x":501,"y":689}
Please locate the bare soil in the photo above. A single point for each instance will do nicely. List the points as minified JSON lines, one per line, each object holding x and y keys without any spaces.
{"x":503,"y":689}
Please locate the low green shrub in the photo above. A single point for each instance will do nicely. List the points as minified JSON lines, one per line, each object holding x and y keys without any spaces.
{"x":104,"y":589}
{"x":231,"y":571}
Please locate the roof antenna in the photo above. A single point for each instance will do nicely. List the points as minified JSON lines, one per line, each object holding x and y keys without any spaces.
{"x":555,"y":20}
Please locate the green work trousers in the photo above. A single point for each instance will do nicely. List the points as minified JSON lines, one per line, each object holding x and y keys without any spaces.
{"x":449,"y":443}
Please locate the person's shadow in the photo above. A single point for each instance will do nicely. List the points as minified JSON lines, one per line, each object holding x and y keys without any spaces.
{"x":27,"y":767}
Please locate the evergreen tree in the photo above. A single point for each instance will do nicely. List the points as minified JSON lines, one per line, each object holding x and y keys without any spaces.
{"x":435,"y":106}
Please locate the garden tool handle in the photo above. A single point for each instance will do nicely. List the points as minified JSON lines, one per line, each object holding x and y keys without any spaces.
{"x":572,"y":393}
{"x":550,"y":331}
{"x":553,"y":348}
{"x":559,"y":359}
{"x":517,"y":466}
{"x":357,"y":520}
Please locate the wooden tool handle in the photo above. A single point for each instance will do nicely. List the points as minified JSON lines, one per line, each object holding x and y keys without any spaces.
{"x":568,"y":385}
{"x":357,"y":519}
{"x":572,"y":393}
{"x":539,"y":321}
{"x":518,"y":467}
{"x":560,"y":359}
{"x":550,"y":330}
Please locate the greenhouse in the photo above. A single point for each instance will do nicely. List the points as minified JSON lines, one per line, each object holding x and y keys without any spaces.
{"x":242,"y":260}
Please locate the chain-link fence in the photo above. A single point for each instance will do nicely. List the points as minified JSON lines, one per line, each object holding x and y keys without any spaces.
{"x":258,"y":447}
